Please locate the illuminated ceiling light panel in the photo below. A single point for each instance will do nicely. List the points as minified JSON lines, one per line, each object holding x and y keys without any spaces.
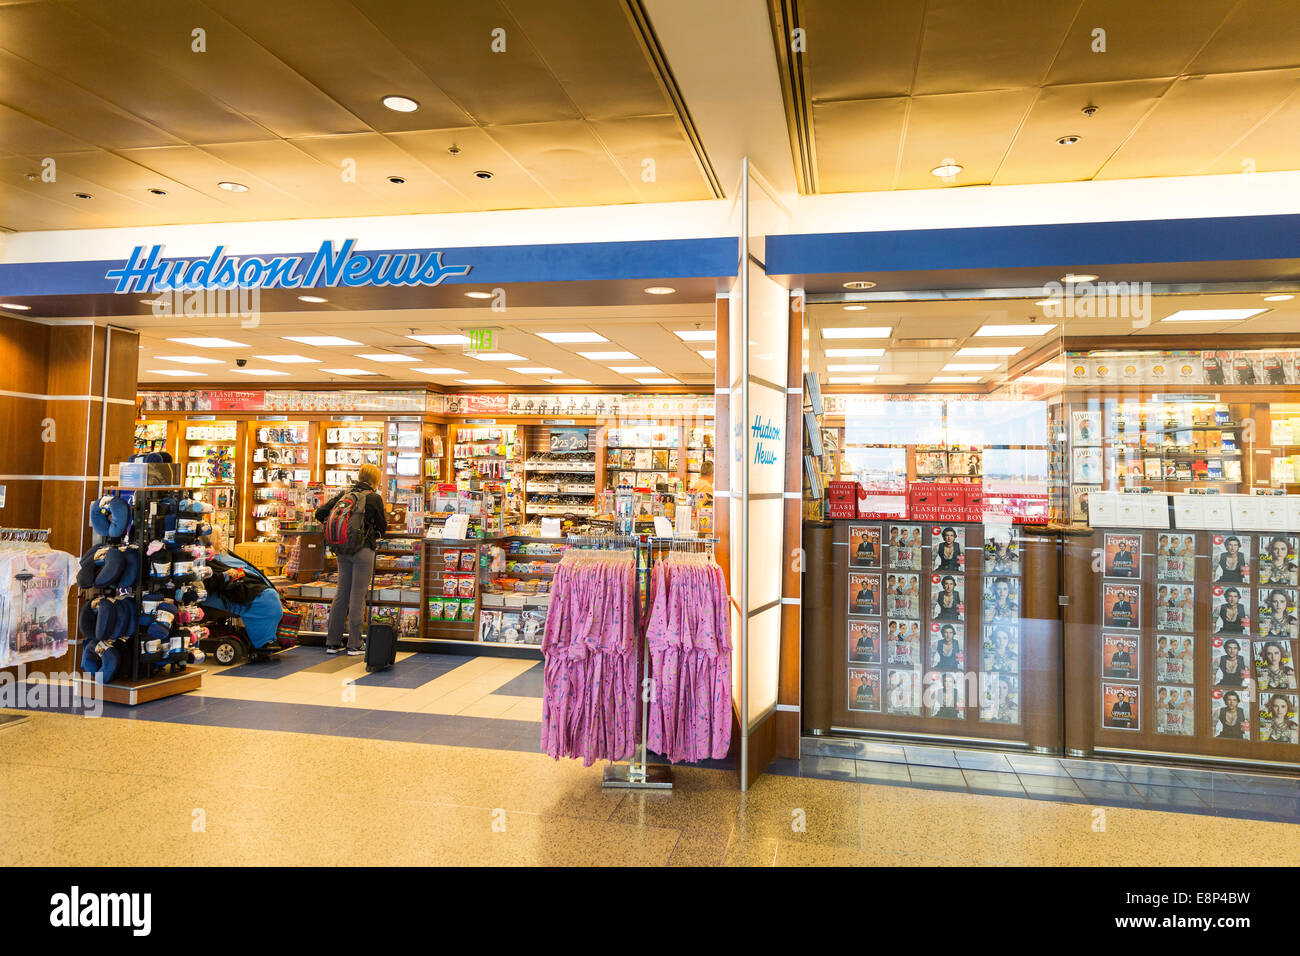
{"x":991,"y":350}
{"x":709,"y":354}
{"x":572,"y":337}
{"x":636,"y":370}
{"x":854,"y":353}
{"x":861,"y":332}
{"x":1212,"y":315}
{"x":177,"y":372}
{"x":609,"y":356}
{"x":851,"y":379}
{"x":972,"y":367}
{"x":202,"y":343}
{"x":497,"y":357}
{"x":439,"y":371}
{"x":853,"y":368}
{"x":658,"y":381}
{"x":536,"y":370}
{"x":696,"y":335}
{"x":478,"y":381}
{"x":288,"y":359}
{"x":441,"y":339}
{"x":188,"y":359}
{"x":1014,"y":330}
{"x":955,"y":378}
{"x":568,"y":381}
{"x":319,"y":340}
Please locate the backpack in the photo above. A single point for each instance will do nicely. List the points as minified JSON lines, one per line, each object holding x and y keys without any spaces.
{"x":345,"y":528}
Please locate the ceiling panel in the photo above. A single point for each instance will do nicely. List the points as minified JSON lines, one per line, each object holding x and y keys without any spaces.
{"x":1142,"y":40}
{"x":862,"y":50}
{"x":675,"y":173}
{"x":1255,"y":32}
{"x":1273,"y":144}
{"x":858,"y":142}
{"x":511,"y":186}
{"x":1002,"y":44}
{"x":974,"y":128}
{"x":1197,"y":119}
{"x":569,"y":158}
{"x":1035,"y":155}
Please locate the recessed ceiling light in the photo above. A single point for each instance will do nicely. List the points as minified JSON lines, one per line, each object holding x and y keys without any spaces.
{"x":233,"y":187}
{"x":568,"y":381}
{"x":972,"y":366}
{"x":1280,"y":297}
{"x":955,"y":378}
{"x":1048,"y":302}
{"x":155,"y":191}
{"x":861,"y":332}
{"x":400,"y":104}
{"x":855,"y":308}
{"x":709,"y":354}
{"x":1078,"y":277}
{"x":258,"y":371}
{"x":319,"y":340}
{"x":478,"y":295}
{"x":176,"y":372}
{"x":439,"y":371}
{"x":946,"y":170}
{"x":860,"y":284}
{"x":311,"y":298}
{"x":852,"y":368}
{"x":478,"y":381}
{"x":658,"y":381}
{"x":347,"y":371}
{"x":635,"y":370}
{"x":661,"y":290}
{"x":202,"y":343}
{"x":483,"y":174}
{"x":396,"y":180}
{"x":854,"y":353}
{"x":851,"y":379}
{"x":497,"y":356}
{"x":1212,"y":315}
{"x":536,"y":370}
{"x":386,"y":357}
{"x":608,"y":356}
{"x":1067,"y":140}
{"x":441,"y":339}
{"x":1013,"y":330}
{"x":697,"y":335}
{"x":572,"y":337}
{"x":991,"y":350}
{"x":187,"y":359}
{"x":15,"y":306}
{"x":288,"y":359}
{"x":83,"y":195}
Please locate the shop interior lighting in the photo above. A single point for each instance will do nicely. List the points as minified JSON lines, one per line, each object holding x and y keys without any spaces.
{"x":400,"y":104}
{"x":319,"y":340}
{"x":946,"y":170}
{"x":708,"y":354}
{"x":851,"y":379}
{"x":573,"y":338}
{"x":854,"y":353}
{"x":658,"y":381}
{"x":661,"y":290}
{"x":696,"y":335}
{"x":478,"y":381}
{"x":1078,"y":277}
{"x":990,"y":350}
{"x":609,"y":356}
{"x":1013,"y":331}
{"x":568,"y":381}
{"x":311,"y":298}
{"x":478,"y":295}
{"x":288,"y":359}
{"x":188,"y":359}
{"x":27,"y":308}
{"x":859,"y":332}
{"x":855,"y":308}
{"x":1280,"y":297}
{"x":972,"y":367}
{"x":852,"y":368}
{"x":177,"y":372}
{"x":1212,"y":315}
{"x":860,"y":284}
{"x":233,"y":187}
{"x":636,"y":370}
{"x":536,"y":370}
{"x":955,"y":378}
{"x":441,"y":339}
{"x":209,"y":343}
{"x":439,"y":371}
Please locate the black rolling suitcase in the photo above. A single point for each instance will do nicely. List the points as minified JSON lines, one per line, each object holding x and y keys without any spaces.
{"x":381,"y":638}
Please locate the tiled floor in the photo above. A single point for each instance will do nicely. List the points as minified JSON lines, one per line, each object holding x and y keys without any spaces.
{"x":439,"y":740}
{"x":1059,"y":779}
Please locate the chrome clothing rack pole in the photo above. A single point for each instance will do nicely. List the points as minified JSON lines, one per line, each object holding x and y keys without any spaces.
{"x":639,"y":774}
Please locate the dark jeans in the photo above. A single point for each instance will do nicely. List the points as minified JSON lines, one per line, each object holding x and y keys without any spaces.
{"x":349,"y":604}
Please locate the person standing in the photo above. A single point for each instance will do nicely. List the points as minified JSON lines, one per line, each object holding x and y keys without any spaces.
{"x":356,"y":569}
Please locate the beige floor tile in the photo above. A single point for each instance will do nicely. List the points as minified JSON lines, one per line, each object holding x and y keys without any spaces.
{"x":493,"y":705}
{"x":528,"y":708}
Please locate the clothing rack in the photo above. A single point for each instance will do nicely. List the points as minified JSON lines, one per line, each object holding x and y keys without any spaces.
{"x":639,"y":774}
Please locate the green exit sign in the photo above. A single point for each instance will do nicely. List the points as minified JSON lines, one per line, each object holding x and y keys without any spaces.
{"x":480,"y":340}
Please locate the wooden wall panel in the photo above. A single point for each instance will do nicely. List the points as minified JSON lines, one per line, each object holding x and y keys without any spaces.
{"x":24,"y":354}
